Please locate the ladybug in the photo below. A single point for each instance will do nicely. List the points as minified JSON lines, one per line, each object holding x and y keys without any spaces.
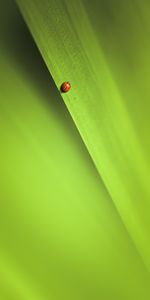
{"x":65,"y":87}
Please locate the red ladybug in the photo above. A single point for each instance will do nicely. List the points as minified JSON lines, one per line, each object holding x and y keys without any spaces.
{"x":65,"y":87}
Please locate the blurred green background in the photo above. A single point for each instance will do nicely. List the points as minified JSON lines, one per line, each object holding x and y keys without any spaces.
{"x":61,"y":236}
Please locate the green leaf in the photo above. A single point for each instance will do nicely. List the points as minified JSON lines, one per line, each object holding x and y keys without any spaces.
{"x":61,"y":236}
{"x":102,"y":48}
